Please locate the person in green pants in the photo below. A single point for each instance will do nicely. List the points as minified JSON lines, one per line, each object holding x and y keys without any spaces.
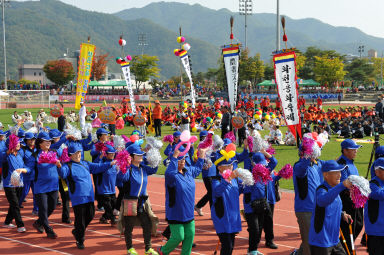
{"x":180,"y":201}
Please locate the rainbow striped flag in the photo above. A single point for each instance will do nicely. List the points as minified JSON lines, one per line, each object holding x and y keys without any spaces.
{"x":230,"y":51}
{"x":284,"y":58}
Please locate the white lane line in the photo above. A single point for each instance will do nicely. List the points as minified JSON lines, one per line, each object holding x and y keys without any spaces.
{"x":34,"y":245}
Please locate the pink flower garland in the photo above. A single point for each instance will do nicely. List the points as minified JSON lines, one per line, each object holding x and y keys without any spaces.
{"x":231,"y":136}
{"x":168,"y":138}
{"x":123,"y":160}
{"x":357,"y":198}
{"x":286,"y":172}
{"x":64,"y":158}
{"x":47,"y":157}
{"x":261,"y":173}
{"x":13,"y":142}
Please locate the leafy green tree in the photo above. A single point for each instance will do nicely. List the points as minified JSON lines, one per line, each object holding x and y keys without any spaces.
{"x":328,"y":70}
{"x":59,"y":71}
{"x":250,"y":68}
{"x":144,"y":67}
{"x":360,"y":71}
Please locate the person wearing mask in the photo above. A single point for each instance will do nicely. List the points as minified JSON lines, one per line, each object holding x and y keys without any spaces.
{"x":328,"y":213}
{"x":349,"y":151}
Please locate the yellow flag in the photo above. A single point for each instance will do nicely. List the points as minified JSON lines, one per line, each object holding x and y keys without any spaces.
{"x":84,"y":73}
{"x":105,"y":103}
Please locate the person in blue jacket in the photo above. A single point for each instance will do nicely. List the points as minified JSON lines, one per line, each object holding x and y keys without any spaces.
{"x":46,"y":186}
{"x":207,"y":175}
{"x":171,"y":147}
{"x":135,"y":181}
{"x":77,"y":173}
{"x":255,"y":202}
{"x":327,"y":213}
{"x":307,"y":176}
{"x":349,"y":151}
{"x":225,"y":210}
{"x":13,"y":161}
{"x":28,"y":151}
{"x":3,"y":148}
{"x":374,"y":211}
{"x":107,"y":188}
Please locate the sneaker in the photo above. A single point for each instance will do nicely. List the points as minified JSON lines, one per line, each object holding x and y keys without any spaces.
{"x":51,"y":234}
{"x":21,"y":230}
{"x":36,"y":213}
{"x":132,"y":251}
{"x":255,"y":253}
{"x":151,"y":252}
{"x":103,"y":220}
{"x":271,"y":245}
{"x":293,"y":253}
{"x":80,"y":245}
{"x":199,"y":211}
{"x":38,"y":227}
{"x":10,"y":225}
{"x":101,"y":209}
{"x":116,"y":212}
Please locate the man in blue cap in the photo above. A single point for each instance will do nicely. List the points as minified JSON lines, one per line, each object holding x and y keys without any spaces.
{"x":374,"y":211}
{"x":171,"y":147}
{"x":349,"y":151}
{"x":327,"y":214}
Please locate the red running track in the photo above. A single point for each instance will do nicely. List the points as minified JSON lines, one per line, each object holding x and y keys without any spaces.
{"x":103,"y":239}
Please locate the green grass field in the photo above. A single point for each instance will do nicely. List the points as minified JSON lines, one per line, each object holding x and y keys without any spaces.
{"x":284,"y":154}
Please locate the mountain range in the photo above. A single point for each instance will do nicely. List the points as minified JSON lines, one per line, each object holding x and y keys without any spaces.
{"x":42,"y":30}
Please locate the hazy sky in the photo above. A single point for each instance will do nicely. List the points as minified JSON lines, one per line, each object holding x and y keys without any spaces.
{"x":366,"y":15}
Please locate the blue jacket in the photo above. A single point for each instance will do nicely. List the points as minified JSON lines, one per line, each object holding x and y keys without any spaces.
{"x":180,"y":191}
{"x":377,"y":193}
{"x":350,"y":170}
{"x":47,"y":177}
{"x":56,"y":146}
{"x":305,"y":171}
{"x":95,"y":154}
{"x":79,"y":174}
{"x":86,"y":143}
{"x":330,"y":203}
{"x":256,"y":191}
{"x":3,"y":147}
{"x":271,"y":196}
{"x":209,"y":172}
{"x":108,"y":181}
{"x":30,"y":162}
{"x":225,"y":210}
{"x":14,"y":162}
{"x":134,"y":178}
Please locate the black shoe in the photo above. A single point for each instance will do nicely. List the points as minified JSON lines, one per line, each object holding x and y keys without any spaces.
{"x":80,"y":245}
{"x":51,"y":234}
{"x":58,"y":202}
{"x":38,"y":227}
{"x":67,"y":221}
{"x":271,"y":245}
{"x":103,"y":220}
{"x":113,"y":222}
{"x":21,"y":206}
{"x":193,"y":245}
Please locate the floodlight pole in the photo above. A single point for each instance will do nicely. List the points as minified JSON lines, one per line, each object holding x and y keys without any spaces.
{"x":245,"y":8}
{"x":278,"y":26}
{"x":4,"y":48}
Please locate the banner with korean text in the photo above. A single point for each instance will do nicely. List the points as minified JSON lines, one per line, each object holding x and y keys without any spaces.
{"x":87,"y":52}
{"x":287,"y":88}
{"x":127,"y":75}
{"x":231,"y":63}
{"x":187,"y":67}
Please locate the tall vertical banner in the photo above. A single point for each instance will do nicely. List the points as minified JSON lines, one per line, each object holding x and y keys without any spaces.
{"x":231,"y":63}
{"x":187,"y":67}
{"x":127,"y":75}
{"x":287,"y":88}
{"x":87,"y":51}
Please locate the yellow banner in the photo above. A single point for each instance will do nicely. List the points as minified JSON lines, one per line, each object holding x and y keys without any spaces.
{"x":84,"y":72}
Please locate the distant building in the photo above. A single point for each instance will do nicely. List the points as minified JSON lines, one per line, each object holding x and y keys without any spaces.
{"x":33,"y":72}
{"x":372,"y":53}
{"x":74,"y":60}
{"x":349,"y":58}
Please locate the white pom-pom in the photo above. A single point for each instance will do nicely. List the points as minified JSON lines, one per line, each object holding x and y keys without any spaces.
{"x":246,"y":176}
{"x":154,"y":143}
{"x":70,"y":130}
{"x":16,"y":179}
{"x":88,"y":128}
{"x":33,"y":130}
{"x":218,"y":143}
{"x":361,"y":183}
{"x":153,"y":157}
{"x":118,"y":142}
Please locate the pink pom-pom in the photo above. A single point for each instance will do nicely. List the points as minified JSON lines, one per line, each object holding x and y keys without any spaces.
{"x":231,"y":136}
{"x":307,"y":146}
{"x":13,"y":142}
{"x":207,"y":142}
{"x":109,"y":143}
{"x":64,"y":158}
{"x":357,"y":198}
{"x":123,"y":160}
{"x":47,"y":157}
{"x":271,"y":150}
{"x":250,"y":143}
{"x":168,"y":138}
{"x":126,"y":139}
{"x":286,"y":172}
{"x":226,"y":174}
{"x":100,"y":147}
{"x":261,"y":173}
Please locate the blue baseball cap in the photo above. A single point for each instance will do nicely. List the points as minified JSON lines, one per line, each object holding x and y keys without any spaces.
{"x":21,"y":133}
{"x":379,"y":151}
{"x":259,"y":158}
{"x":203,"y":133}
{"x":181,"y":149}
{"x":110,"y":149}
{"x":102,"y":131}
{"x":29,"y":135}
{"x":54,"y":133}
{"x":331,"y":166}
{"x":135,"y":150}
{"x":379,"y":164}
{"x":349,"y":144}
{"x":176,"y":134}
{"x":227,"y":141}
{"x":74,"y":147}
{"x":44,"y":136}
{"x":136,"y":132}
{"x":2,"y":132}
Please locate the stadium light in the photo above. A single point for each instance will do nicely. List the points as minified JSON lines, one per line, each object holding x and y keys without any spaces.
{"x":245,"y":8}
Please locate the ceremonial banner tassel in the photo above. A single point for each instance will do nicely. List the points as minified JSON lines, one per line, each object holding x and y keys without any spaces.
{"x":187,"y":67}
{"x":231,"y":62}
{"x":287,"y":88}
{"x":87,"y":52}
{"x":127,"y":75}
